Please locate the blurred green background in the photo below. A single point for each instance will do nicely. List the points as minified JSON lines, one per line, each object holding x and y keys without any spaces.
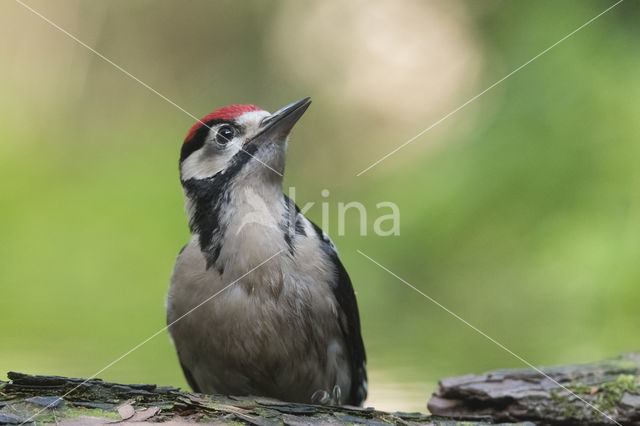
{"x":521,"y":212}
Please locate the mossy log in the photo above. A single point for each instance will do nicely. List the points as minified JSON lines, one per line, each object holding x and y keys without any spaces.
{"x":612,"y":386}
{"x":36,"y":399}
{"x":514,"y":395}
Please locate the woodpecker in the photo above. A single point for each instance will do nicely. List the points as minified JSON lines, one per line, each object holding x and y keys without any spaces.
{"x":282,"y":320}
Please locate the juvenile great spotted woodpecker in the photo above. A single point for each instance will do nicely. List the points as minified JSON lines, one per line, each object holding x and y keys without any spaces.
{"x":288,"y":325}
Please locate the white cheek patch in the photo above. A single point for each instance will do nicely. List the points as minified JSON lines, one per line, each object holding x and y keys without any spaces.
{"x":206,"y":162}
{"x":200,"y":166}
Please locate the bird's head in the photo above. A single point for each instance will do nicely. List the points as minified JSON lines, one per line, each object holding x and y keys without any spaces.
{"x":239,"y":141}
{"x":231,"y":167}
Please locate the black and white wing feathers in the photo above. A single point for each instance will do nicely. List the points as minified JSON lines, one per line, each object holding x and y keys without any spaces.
{"x":349,"y":319}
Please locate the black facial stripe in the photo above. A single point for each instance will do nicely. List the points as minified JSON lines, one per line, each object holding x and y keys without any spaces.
{"x":198,"y":140}
{"x":210,"y":196}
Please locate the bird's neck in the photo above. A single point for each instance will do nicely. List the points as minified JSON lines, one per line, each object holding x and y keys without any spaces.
{"x":238,"y":226}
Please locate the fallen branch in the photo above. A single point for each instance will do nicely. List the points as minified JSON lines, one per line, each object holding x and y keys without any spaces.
{"x":98,"y":402}
{"x":515,"y":395}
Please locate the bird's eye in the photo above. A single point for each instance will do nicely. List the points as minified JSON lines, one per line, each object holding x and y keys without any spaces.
{"x":225,"y":134}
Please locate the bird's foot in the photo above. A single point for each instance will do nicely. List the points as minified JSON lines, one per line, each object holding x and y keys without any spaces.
{"x":337,"y":395}
{"x":322,"y":397}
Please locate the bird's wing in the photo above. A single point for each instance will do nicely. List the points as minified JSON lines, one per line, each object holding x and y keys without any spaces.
{"x":349,"y":317}
{"x":350,"y":324}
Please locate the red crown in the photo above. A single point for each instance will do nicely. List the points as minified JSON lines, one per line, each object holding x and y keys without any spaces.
{"x":230,"y":112}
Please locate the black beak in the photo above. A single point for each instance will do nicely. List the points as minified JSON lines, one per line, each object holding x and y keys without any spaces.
{"x":278,"y":125}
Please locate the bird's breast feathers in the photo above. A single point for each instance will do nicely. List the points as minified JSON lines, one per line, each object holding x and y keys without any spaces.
{"x":263,"y":324}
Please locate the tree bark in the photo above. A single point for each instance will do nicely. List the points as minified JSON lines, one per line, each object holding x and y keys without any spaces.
{"x":592,"y":394}
{"x":28,"y":398}
{"x":612,"y":388}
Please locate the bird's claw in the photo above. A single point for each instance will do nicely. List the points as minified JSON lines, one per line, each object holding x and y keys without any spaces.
{"x":322,"y":397}
{"x":337,"y":395}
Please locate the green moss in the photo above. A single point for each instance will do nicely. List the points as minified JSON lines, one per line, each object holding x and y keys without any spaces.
{"x":89,"y":412}
{"x":566,"y":407}
{"x":609,"y":394}
{"x":66,"y":412}
{"x":605,"y":396}
{"x":579,"y":388}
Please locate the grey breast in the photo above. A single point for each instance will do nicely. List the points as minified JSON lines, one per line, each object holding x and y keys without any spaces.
{"x":276,"y":337}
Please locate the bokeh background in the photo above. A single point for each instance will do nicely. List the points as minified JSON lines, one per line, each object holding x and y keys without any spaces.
{"x":521,"y":212}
